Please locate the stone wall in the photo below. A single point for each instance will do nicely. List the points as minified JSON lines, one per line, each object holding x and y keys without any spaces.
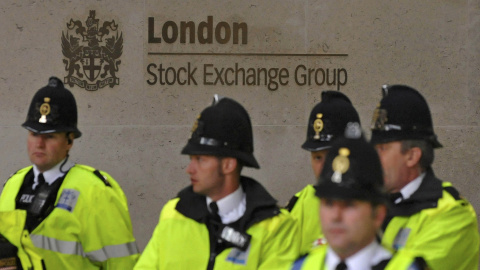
{"x":136,"y":129}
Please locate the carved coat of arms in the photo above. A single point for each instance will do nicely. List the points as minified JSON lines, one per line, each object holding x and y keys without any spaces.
{"x":92,"y":53}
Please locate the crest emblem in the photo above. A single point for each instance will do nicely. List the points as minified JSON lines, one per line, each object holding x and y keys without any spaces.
{"x":68,"y":199}
{"x":195,"y":125}
{"x":44,"y":110}
{"x":379,"y":118}
{"x":318,"y":126}
{"x":340,"y":164}
{"x":353,"y":130}
{"x":93,"y":49}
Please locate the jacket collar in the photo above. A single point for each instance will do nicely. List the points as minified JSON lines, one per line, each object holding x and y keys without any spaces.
{"x":426,"y":196}
{"x":260,"y":204}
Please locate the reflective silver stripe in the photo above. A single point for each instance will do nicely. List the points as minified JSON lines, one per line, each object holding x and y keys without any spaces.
{"x":65,"y":247}
{"x":392,"y":127}
{"x":75,"y":248}
{"x":114,"y":251}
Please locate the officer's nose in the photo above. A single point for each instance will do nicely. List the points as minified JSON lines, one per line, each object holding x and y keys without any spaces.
{"x":190,"y":170}
{"x":336,"y":212}
{"x":40,"y":141}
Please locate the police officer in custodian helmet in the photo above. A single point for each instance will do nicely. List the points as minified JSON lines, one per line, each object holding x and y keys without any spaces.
{"x":223,"y":220}
{"x":76,"y":216}
{"x":326,"y":123}
{"x":352,"y":211}
{"x":428,"y":216}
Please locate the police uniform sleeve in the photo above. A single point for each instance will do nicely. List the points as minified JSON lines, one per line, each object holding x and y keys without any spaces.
{"x":282,"y":244}
{"x":448,"y":235}
{"x":149,"y":258}
{"x":305,"y":210}
{"x":108,"y":239}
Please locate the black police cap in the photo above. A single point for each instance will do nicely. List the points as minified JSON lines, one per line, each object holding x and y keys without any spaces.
{"x":402,"y":114}
{"x":328,"y":119}
{"x":223,"y":129}
{"x":352,"y":169}
{"x":53,"y":109}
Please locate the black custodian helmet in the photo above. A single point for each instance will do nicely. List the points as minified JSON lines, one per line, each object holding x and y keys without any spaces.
{"x":352,"y":169}
{"x":53,"y":109}
{"x":328,"y":120}
{"x":223,"y":129}
{"x":402,"y":114}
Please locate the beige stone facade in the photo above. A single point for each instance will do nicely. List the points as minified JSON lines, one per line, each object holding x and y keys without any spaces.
{"x":136,"y":129}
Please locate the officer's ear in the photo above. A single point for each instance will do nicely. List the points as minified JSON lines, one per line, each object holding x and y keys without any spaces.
{"x":70,"y":138}
{"x":413,"y":156}
{"x":229,"y":165}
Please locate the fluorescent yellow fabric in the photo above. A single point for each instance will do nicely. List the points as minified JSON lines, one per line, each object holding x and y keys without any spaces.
{"x":94,"y":232}
{"x":179,"y":242}
{"x":404,"y":259}
{"x":446,"y":236}
{"x":306,"y":211}
{"x":12,"y":225}
{"x":315,"y":260}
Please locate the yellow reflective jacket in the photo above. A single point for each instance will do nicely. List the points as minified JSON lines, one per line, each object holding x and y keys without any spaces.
{"x":315,"y":260}
{"x":436,"y":223}
{"x":12,"y":225}
{"x":90,"y":226}
{"x":181,"y":239}
{"x":305,"y":208}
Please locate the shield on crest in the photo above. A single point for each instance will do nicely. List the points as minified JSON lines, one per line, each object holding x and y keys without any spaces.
{"x":92,"y":62}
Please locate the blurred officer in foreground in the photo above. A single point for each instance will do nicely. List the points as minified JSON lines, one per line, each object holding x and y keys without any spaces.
{"x":353,"y":207}
{"x":222,"y":220}
{"x":76,"y":216}
{"x":428,"y":216}
{"x":327,"y":122}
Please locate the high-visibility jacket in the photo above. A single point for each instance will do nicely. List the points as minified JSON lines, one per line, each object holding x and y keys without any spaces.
{"x":181,"y":239}
{"x":436,"y":223}
{"x":12,"y":224}
{"x":305,"y":208}
{"x":90,"y":226}
{"x":315,"y":260}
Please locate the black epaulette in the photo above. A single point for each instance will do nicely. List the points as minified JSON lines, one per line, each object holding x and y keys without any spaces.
{"x":103,"y":178}
{"x":291,"y":203}
{"x":454,"y":192}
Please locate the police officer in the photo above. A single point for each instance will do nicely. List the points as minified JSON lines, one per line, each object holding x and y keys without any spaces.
{"x":222,"y":220}
{"x":327,"y":121}
{"x":428,"y":216}
{"x":77,"y":216}
{"x":353,"y":207}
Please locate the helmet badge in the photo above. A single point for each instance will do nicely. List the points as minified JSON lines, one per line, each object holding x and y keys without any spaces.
{"x":379,"y":118}
{"x":340,"y":164}
{"x":318,"y":126}
{"x":353,"y":130}
{"x":44,"y":110}
{"x":195,"y":125}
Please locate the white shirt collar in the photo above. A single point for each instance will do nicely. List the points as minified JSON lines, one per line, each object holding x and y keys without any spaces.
{"x":52,"y":174}
{"x":364,"y":259}
{"x":411,"y":187}
{"x":232,"y":207}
